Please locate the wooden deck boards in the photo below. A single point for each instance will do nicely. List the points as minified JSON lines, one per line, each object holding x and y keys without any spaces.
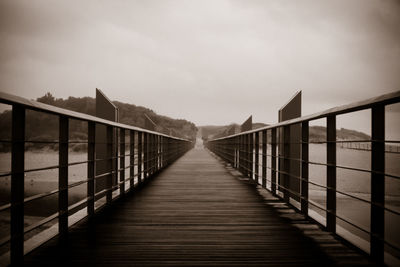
{"x":195,"y":213}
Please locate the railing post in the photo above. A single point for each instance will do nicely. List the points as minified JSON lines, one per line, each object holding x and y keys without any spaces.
{"x":122,"y":161}
{"x":244,"y":153}
{"x":153,"y":153}
{"x":162,"y":151}
{"x":158,"y":154}
{"x":377,"y":183}
{"x":17,"y":184}
{"x":110,"y":164}
{"x":273,"y":161}
{"x":91,"y":167}
{"x":140,"y":156}
{"x":264,"y":159}
{"x":286,"y":163}
{"x":150,"y":154}
{"x":240,"y":152}
{"x":63,"y":177}
{"x":251,"y":136}
{"x":256,"y":160}
{"x":331,"y":174}
{"x":247,"y":143}
{"x":131,"y":159}
{"x":146,"y":155}
{"x":304,"y":167}
{"x":235,"y":140}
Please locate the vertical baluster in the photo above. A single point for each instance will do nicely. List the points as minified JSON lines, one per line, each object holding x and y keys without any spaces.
{"x":145,"y":154}
{"x":63,"y":177}
{"x":238,"y":152}
{"x":162,"y":151}
{"x":256,"y":162}
{"x":264,"y":159}
{"x":246,"y":155}
{"x":153,"y":152}
{"x":131,"y":159}
{"x":286,"y":163}
{"x":252,"y":172}
{"x":110,"y":163}
{"x":331,"y":174}
{"x":17,"y":184}
{"x":91,"y":167}
{"x":249,"y":156}
{"x":122,"y":160}
{"x":273,"y":161}
{"x":157,"y":153}
{"x":378,"y":183}
{"x":150,"y":155}
{"x":140,"y":156}
{"x":241,"y":153}
{"x":155,"y":145}
{"x":304,"y":167}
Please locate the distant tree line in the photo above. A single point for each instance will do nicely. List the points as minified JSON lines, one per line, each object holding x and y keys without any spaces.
{"x":316,"y":133}
{"x":44,"y":127}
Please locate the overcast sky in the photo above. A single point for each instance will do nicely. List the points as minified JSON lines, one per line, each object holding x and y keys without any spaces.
{"x":210,"y":62}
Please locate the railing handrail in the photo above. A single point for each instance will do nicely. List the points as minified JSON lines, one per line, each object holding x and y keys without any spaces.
{"x":10,"y":99}
{"x":148,"y":153}
{"x":385,"y":99}
{"x":290,"y":175}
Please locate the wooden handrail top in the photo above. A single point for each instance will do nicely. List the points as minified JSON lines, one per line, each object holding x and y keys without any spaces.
{"x":385,"y":99}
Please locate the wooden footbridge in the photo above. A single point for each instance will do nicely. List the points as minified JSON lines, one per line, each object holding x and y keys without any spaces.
{"x":181,"y":204}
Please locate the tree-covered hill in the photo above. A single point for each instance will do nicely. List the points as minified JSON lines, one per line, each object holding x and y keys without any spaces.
{"x":44,"y":127}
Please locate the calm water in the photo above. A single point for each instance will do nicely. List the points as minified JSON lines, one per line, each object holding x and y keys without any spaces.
{"x":352,"y":182}
{"x":355,"y":183}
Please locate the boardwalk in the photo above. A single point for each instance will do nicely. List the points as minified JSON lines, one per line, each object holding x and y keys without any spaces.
{"x":196,"y":213}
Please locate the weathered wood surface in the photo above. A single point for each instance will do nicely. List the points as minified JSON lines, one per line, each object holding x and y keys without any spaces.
{"x":196,"y":213}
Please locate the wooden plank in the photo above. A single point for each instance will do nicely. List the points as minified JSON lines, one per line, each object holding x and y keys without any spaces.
{"x":195,"y":213}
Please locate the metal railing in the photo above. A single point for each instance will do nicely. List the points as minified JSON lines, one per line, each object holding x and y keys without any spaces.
{"x":148,"y":153}
{"x":243,"y":152}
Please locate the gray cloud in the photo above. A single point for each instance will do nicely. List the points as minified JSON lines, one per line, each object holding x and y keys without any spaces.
{"x":211,"y":62}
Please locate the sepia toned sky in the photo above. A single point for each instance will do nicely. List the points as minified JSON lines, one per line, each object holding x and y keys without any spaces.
{"x":210,"y":62}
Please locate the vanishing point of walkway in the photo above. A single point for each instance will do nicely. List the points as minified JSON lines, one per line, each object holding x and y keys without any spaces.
{"x":197,"y":213}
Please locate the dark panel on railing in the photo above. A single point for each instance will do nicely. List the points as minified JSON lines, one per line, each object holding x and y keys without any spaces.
{"x":247,"y":125}
{"x":289,"y":111}
{"x":105,"y":109}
